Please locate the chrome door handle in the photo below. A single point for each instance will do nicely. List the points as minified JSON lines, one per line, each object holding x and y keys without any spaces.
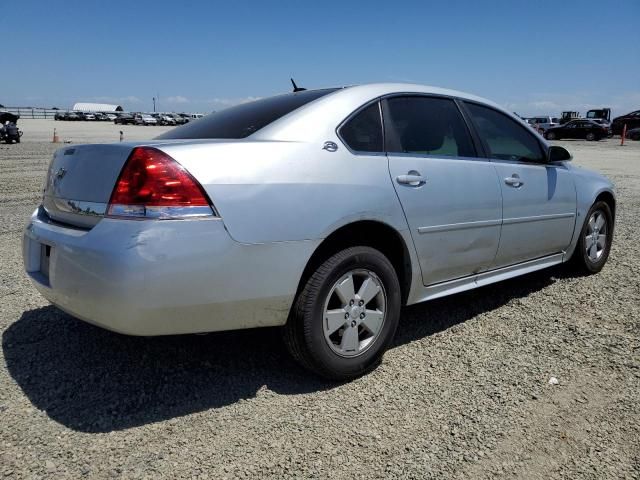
{"x":514,"y":181}
{"x":413,"y":179}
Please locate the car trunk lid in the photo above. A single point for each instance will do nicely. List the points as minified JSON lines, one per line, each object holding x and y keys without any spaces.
{"x":80,"y":181}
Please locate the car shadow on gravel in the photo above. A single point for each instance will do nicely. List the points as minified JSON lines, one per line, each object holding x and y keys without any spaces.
{"x":425,"y":319}
{"x":92,"y":380}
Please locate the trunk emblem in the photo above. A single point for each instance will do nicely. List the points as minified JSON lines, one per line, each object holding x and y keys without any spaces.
{"x":56,"y":177}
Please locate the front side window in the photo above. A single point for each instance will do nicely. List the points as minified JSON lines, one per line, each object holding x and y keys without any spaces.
{"x":363,"y":132}
{"x":426,"y":126}
{"x":504,"y":138}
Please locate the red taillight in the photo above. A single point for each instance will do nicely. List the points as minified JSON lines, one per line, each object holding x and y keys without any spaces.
{"x":152,"y":184}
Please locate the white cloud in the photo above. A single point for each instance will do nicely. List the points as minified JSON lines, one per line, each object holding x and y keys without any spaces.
{"x":176,"y":99}
{"x":230,"y":102}
{"x":116,"y":100}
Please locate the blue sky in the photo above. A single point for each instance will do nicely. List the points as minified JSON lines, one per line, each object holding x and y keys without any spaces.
{"x":533,"y":57}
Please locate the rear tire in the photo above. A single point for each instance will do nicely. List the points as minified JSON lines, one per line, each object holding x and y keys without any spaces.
{"x":550,"y":135}
{"x":346,"y":315}
{"x":590,"y":136}
{"x":596,"y":236}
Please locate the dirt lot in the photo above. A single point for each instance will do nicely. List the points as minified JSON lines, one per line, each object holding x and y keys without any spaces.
{"x":464,"y":393}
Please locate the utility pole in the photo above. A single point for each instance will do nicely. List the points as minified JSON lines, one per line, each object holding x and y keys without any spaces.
{"x":154,"y":104}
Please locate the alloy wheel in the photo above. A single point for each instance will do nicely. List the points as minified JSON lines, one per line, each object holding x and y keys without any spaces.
{"x":354,"y":313}
{"x":596,"y":236}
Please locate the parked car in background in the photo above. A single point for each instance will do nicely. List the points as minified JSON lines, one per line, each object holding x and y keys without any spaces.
{"x":633,"y":134}
{"x":101,"y":117}
{"x":321,"y":211}
{"x":631,"y":120}
{"x":164,"y":119}
{"x":195,"y":116}
{"x":111,"y":116}
{"x":177,"y":118}
{"x":542,"y":124}
{"x":582,"y":128}
{"x":68,"y":116}
{"x":125,"y":119}
{"x":89,"y":116}
{"x":144,"y":119}
{"x":180,"y":120}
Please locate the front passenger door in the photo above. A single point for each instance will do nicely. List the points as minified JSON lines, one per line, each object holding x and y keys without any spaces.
{"x":538,"y":198}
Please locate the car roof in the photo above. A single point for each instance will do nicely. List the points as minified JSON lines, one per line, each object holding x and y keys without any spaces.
{"x":336,"y":106}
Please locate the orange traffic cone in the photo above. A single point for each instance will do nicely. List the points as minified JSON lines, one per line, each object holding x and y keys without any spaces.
{"x":55,"y":136}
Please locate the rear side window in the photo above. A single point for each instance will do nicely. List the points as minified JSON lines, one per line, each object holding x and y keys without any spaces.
{"x":505,"y":138}
{"x":363,"y":132}
{"x":426,"y":126}
{"x":243,"y":120}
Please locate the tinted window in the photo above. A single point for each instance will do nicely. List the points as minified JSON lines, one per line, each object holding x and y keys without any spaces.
{"x":363,"y":132}
{"x":426,"y":125}
{"x":243,"y":120}
{"x":505,"y":138}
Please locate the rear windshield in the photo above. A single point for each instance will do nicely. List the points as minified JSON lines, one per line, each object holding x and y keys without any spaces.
{"x":243,"y":120}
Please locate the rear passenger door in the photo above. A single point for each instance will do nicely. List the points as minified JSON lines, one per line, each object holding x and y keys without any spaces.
{"x":538,"y":198}
{"x":451,"y":199}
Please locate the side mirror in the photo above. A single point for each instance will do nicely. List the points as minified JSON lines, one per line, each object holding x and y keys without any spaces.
{"x":558,"y":154}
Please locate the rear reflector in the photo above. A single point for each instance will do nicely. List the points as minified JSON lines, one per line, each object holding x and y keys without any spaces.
{"x":154,"y":185}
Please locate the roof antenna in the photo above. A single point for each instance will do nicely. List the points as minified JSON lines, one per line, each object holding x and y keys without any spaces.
{"x":296,"y":88}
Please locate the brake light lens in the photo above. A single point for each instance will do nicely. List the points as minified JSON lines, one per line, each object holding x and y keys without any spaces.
{"x":154,"y":185}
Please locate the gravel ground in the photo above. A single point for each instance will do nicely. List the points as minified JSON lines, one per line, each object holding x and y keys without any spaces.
{"x":464,"y":393}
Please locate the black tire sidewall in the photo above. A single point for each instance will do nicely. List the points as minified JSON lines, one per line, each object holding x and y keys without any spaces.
{"x":326,"y":359}
{"x":585,"y":261}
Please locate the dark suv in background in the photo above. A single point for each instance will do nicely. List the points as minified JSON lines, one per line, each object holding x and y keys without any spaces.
{"x":125,"y":119}
{"x":632,"y":120}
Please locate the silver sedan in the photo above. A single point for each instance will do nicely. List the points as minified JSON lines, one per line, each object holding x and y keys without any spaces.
{"x":322,"y":211}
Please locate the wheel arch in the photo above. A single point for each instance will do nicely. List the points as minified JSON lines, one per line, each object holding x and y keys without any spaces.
{"x":608,"y":197}
{"x":370,"y":233}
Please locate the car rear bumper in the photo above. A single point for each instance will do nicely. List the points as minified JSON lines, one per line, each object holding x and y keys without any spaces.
{"x":163,"y":277}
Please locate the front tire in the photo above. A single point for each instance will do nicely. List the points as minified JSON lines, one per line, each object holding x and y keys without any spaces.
{"x":550,"y":135}
{"x":345,"y":317}
{"x":596,"y":236}
{"x":590,"y":136}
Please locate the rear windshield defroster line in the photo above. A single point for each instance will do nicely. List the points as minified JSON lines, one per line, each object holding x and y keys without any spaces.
{"x":243,"y":120}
